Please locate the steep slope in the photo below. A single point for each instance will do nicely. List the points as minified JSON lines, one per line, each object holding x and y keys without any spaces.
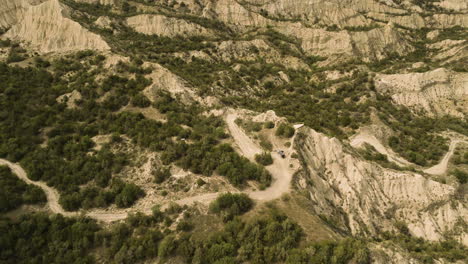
{"x":437,"y":92}
{"x":165,"y":26}
{"x":11,"y":11}
{"x":47,"y":28}
{"x":369,"y":198}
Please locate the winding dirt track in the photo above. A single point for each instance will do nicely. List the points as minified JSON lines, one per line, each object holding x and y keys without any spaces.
{"x":441,"y":167}
{"x":280,"y":171}
{"x":438,"y":169}
{"x":361,"y":138}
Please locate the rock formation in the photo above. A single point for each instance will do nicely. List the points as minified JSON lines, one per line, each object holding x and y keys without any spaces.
{"x":370,"y":198}
{"x":437,"y":92}
{"x":165,"y":26}
{"x":48,"y":28}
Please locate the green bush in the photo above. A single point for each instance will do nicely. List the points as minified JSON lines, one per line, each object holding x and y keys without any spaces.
{"x":461,"y":176}
{"x":230,"y":205}
{"x":184,"y":225}
{"x":285,"y":131}
{"x":140,"y":100}
{"x":265,"y":158}
{"x":15,"y":57}
{"x":14,"y":192}
{"x":128,"y":195}
{"x":265,"y":143}
{"x":161,"y":174}
{"x":44,"y":238}
{"x":269,"y":125}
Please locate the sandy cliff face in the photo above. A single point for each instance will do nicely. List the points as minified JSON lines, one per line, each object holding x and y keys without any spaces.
{"x":437,"y":92}
{"x":102,"y":2}
{"x":165,"y":26}
{"x":47,"y":28}
{"x":11,"y":11}
{"x":366,"y":45}
{"x":370,"y":198}
{"x":456,"y":5}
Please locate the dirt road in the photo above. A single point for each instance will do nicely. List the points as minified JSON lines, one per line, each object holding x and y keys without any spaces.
{"x":280,"y":171}
{"x":358,"y":140}
{"x":438,"y":169}
{"x":441,"y":167}
{"x":51,"y":194}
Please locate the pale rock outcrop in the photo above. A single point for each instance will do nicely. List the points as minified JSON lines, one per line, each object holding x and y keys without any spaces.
{"x":251,"y":50}
{"x":268,"y":116}
{"x":447,"y":20}
{"x":375,"y":44}
{"x":448,"y":51}
{"x":438,"y":92}
{"x":369,"y":198}
{"x":433,"y":34}
{"x":375,"y":135}
{"x":366,"y":45}
{"x":104,"y":22}
{"x":456,"y":5}
{"x":12,"y":11}
{"x":166,"y":26}
{"x":48,"y":28}
{"x":70,"y":98}
{"x":165,"y":80}
{"x":306,"y":20}
{"x":325,"y":13}
{"x":412,"y":20}
{"x":102,"y":2}
{"x":230,"y":11}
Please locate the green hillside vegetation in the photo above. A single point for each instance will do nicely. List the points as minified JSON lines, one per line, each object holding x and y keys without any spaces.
{"x":69,"y":160}
{"x":270,"y":238}
{"x":14,"y":192}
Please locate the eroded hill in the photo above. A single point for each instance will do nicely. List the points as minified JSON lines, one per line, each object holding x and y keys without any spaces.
{"x":344,"y":121}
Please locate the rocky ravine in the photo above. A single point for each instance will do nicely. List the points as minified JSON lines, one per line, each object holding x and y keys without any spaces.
{"x":368,"y":198}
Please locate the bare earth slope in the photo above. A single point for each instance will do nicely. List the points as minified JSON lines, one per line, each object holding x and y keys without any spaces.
{"x":47,"y":28}
{"x":370,"y":198}
{"x":437,"y":92}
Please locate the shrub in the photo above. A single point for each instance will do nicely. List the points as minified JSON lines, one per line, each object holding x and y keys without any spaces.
{"x":14,"y":192}
{"x":265,"y":159}
{"x":265,"y":143}
{"x":161,"y":174}
{"x":184,"y":225}
{"x":269,"y":125}
{"x":230,"y":205}
{"x":461,"y":176}
{"x":140,"y":100}
{"x":15,"y":57}
{"x":129,"y":194}
{"x":200,"y":182}
{"x":285,"y":131}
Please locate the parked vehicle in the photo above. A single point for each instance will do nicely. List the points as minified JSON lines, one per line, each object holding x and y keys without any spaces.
{"x":282,"y":154}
